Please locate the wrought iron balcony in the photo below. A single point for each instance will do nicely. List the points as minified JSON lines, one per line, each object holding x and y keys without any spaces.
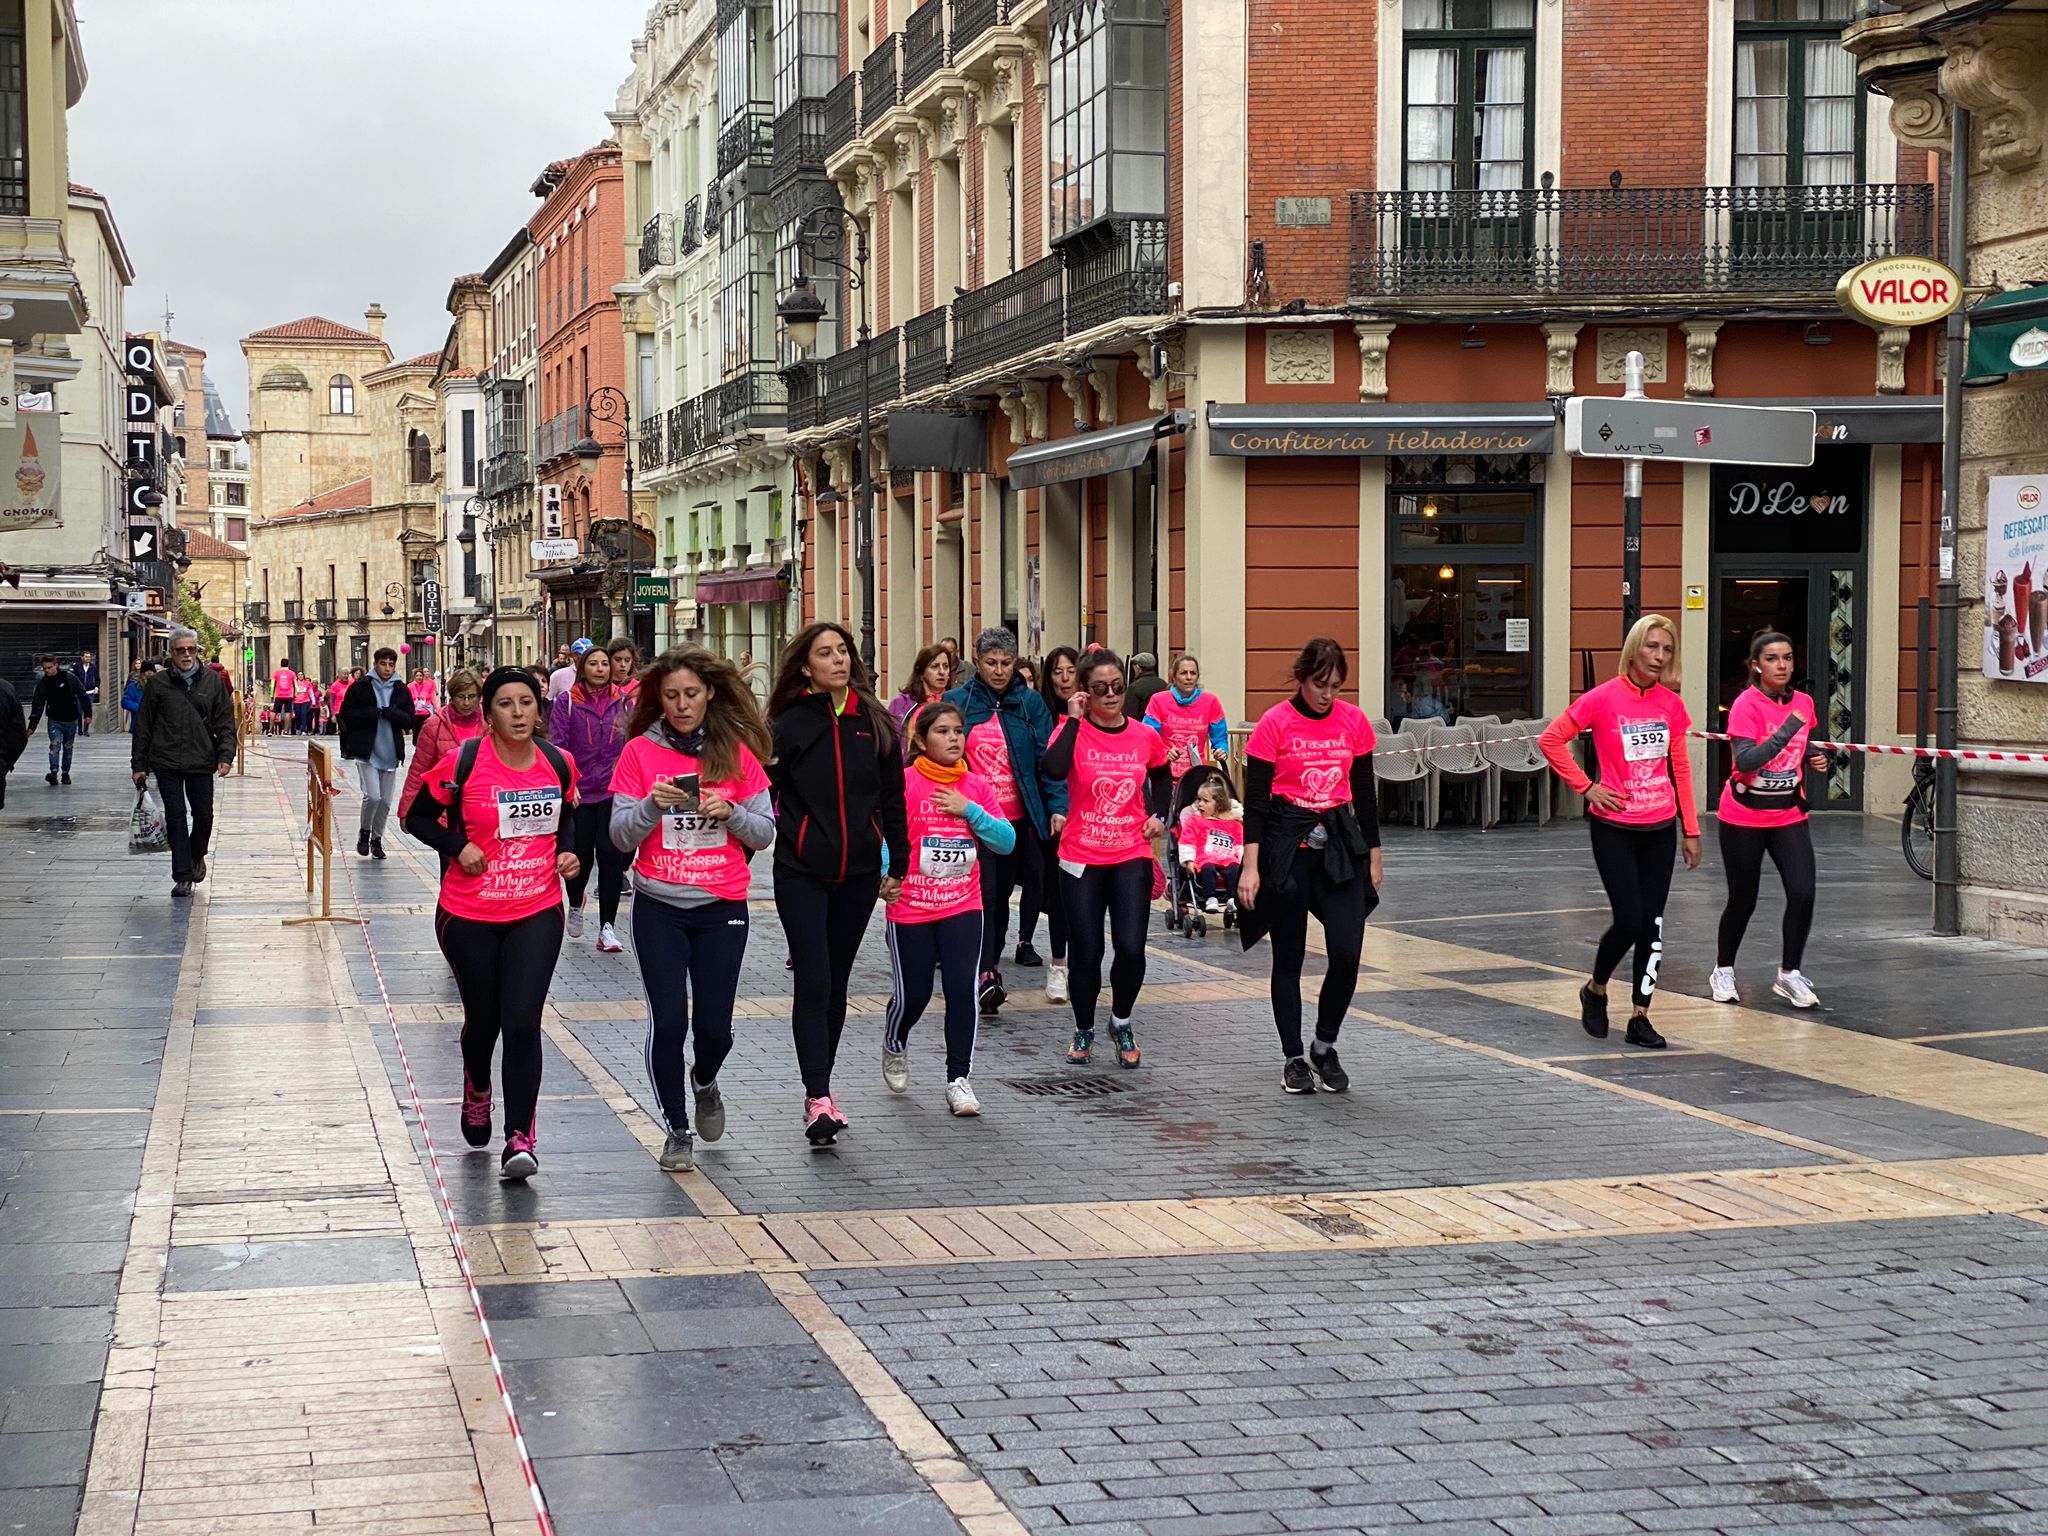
{"x":657,"y":243}
{"x":653,"y":441}
{"x":749,"y":139}
{"x":689,"y":236}
{"x":971,"y":18}
{"x":804,"y":381}
{"x":559,"y":434}
{"x":323,"y":611}
{"x":504,"y":473}
{"x":294,"y":611}
{"x":358,"y":611}
{"x":924,"y":44}
{"x":1115,"y":269}
{"x":1693,"y":241}
{"x":842,"y":373}
{"x":924,"y":351}
{"x":752,"y":402}
{"x":842,"y":114}
{"x":1008,"y":316}
{"x":880,"y":87}
{"x":799,"y":141}
{"x":255,"y":613}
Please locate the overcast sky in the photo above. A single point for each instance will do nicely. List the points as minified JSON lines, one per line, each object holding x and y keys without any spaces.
{"x":270,"y":159}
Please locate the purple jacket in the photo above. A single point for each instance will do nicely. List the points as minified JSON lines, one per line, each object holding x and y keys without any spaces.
{"x":594,"y":735}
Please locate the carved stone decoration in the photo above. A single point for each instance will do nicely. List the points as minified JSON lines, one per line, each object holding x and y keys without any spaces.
{"x":962,"y":115}
{"x":1999,"y":71}
{"x":1560,"y":348}
{"x":1102,"y":382}
{"x":1617,"y":341}
{"x":1014,"y":413}
{"x":1006,"y":99}
{"x":1035,"y":410}
{"x":1076,"y":387}
{"x":840,"y":457}
{"x":904,"y":162}
{"x":1301,"y":355}
{"x":1892,"y":342}
{"x":1159,"y":386}
{"x":1373,"y":338}
{"x":1919,"y":112}
{"x":1700,"y":336}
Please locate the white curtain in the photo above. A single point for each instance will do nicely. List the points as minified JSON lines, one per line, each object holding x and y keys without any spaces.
{"x":1432,"y":107}
{"x":1760,"y":92}
{"x":1503,"y":75}
{"x":1831,"y":102}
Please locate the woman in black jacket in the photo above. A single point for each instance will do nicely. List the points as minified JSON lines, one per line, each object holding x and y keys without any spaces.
{"x":838,"y":783}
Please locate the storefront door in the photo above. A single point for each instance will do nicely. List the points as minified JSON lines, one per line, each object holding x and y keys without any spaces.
{"x":1461,"y":604}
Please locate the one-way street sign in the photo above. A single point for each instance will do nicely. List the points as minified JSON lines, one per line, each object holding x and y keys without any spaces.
{"x":142,"y":541}
{"x":1690,"y":431}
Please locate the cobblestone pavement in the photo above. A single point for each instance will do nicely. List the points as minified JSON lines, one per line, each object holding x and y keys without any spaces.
{"x":1783,"y":1276}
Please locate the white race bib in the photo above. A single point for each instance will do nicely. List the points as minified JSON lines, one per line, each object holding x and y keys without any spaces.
{"x":946,"y":858}
{"x":529,"y":812}
{"x":1644,"y":741}
{"x":1221,"y":842}
{"x":691,"y":832}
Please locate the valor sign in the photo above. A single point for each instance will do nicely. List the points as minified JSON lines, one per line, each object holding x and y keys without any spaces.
{"x":1899,"y":291}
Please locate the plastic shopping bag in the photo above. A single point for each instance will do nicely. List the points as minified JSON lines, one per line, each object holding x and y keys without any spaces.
{"x":146,"y":832}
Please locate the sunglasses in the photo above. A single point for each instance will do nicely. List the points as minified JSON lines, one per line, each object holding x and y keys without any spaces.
{"x":1106,"y":690}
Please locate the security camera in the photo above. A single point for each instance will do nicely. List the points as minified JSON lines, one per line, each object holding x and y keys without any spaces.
{"x":1081,"y":426}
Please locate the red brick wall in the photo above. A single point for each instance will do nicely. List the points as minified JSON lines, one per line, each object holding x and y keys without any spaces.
{"x":1635,"y":92}
{"x":927,"y":232}
{"x":1293,"y":507}
{"x":1031,"y":166}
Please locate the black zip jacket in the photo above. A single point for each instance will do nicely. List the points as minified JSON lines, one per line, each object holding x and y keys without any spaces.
{"x":60,"y":696}
{"x":838,"y":791}
{"x":357,"y":724}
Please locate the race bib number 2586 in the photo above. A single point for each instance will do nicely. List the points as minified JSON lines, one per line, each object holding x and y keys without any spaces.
{"x":529,"y":812}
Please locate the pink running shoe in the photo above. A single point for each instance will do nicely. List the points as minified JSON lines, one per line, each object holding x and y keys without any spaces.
{"x":822,"y":1121}
{"x":476,"y":1113}
{"x":518,"y":1161}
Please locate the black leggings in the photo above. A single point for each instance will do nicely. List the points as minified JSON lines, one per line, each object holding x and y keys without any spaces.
{"x":953,"y":945}
{"x":502,"y":971}
{"x":592,"y":824}
{"x":1342,"y":910}
{"x":1001,"y":873}
{"x":1043,"y":893}
{"x":681,"y":948}
{"x":824,"y":923}
{"x":1124,"y":893}
{"x":1635,"y":867}
{"x":1742,"y":851}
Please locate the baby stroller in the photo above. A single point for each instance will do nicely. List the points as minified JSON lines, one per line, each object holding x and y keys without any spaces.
{"x":1184,"y":912}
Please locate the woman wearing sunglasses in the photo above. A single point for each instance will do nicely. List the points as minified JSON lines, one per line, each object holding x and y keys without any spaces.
{"x":1118,"y":788}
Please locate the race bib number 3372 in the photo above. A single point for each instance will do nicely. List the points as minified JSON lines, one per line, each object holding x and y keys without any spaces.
{"x":529,"y":812}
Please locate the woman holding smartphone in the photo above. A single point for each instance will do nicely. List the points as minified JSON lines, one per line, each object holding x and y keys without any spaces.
{"x":689,"y":800}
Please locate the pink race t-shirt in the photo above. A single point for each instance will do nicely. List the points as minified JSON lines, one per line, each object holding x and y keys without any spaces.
{"x":422,"y":692}
{"x":284,"y":683}
{"x":335,"y":690}
{"x":512,"y":816}
{"x":1185,"y":726}
{"x":1216,"y":841}
{"x":685,"y":848}
{"x":989,"y":756}
{"x":1106,"y":793}
{"x":1634,"y":733}
{"x":1756,"y":716}
{"x":944,"y":875}
{"x":1312,"y":758}
{"x":305,"y":692}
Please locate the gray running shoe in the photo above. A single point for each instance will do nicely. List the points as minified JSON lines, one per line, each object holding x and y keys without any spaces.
{"x":679,"y":1152}
{"x":710,"y":1110}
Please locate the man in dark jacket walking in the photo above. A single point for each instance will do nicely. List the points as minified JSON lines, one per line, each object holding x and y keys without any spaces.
{"x":185,"y":735}
{"x":58,"y":695}
{"x":13,"y":734}
{"x":87,"y":671}
{"x":376,"y":718}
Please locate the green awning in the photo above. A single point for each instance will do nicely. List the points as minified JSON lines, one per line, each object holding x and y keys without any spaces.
{"x":2008,"y":335}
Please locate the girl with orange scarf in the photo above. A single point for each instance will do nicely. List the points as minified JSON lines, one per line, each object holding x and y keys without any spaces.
{"x":936,"y":918}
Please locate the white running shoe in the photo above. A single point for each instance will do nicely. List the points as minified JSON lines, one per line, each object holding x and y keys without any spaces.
{"x":960,"y":1097}
{"x":1056,"y":983}
{"x":608,"y":940}
{"x":575,"y":922}
{"x":1723,"y":984}
{"x":1795,"y":989}
{"x":896,"y":1070}
{"x":1214,"y":904}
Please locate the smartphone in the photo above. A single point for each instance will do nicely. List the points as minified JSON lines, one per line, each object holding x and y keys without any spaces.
{"x":688,"y":783}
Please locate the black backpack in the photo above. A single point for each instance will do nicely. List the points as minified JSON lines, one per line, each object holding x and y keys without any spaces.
{"x":465,"y":765}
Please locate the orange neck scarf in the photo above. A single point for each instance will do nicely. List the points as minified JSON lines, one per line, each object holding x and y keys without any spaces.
{"x":938,"y":773}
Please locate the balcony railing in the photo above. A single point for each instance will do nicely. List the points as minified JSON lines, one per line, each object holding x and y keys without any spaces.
{"x":1009,"y":315}
{"x":689,"y":237}
{"x":924,"y":44}
{"x":1114,"y":270}
{"x":752,"y":402}
{"x":804,"y":382}
{"x":657,"y":245}
{"x":971,"y":18}
{"x":1630,"y":240}
{"x":879,"y":83}
{"x":799,"y":141}
{"x":842,"y":376}
{"x":924,"y":351}
{"x":358,"y":610}
{"x":323,"y":611}
{"x":749,"y":139}
{"x":504,"y":473}
{"x":653,"y":441}
{"x":559,"y":434}
{"x":294,"y":611}
{"x":255,"y":613}
{"x":842,"y":114}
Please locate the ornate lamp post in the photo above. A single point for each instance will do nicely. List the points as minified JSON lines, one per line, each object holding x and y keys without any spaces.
{"x":608,"y":404}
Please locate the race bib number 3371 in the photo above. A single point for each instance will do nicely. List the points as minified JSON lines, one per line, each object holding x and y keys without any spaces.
{"x":529,"y":812}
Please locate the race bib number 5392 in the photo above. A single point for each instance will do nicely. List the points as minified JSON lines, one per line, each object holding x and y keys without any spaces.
{"x":1645,"y":740}
{"x":529,"y":812}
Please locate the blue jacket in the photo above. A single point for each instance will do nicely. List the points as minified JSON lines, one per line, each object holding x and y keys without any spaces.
{"x":1027,"y":729}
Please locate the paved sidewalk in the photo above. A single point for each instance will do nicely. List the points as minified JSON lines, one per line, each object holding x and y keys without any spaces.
{"x":1782,"y":1276}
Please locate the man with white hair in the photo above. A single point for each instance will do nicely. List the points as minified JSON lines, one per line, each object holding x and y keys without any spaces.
{"x":185,"y":735}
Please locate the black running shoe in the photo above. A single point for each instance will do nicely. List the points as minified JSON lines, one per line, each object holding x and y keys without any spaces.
{"x":362,"y":845}
{"x":1029,"y":957}
{"x":376,"y":847}
{"x":1296,"y":1077}
{"x":1335,"y":1078}
{"x":1641,"y":1032}
{"x":993,"y":995}
{"x":1593,"y":1013}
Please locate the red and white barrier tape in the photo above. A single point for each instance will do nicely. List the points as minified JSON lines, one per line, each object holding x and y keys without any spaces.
{"x":1411,"y":744}
{"x":476,"y":1301}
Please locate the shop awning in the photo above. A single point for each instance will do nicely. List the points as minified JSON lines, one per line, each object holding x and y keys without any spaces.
{"x":2008,"y":335}
{"x":741,"y":587}
{"x":1090,"y":453}
{"x":1376,"y":431}
{"x":1867,"y":418}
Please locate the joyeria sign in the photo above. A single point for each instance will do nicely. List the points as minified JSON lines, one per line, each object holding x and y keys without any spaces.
{"x":1899,"y":291}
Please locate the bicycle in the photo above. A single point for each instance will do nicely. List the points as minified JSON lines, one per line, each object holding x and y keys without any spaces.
{"x":1916,"y":831}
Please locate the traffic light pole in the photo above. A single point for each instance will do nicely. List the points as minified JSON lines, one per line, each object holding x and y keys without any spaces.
{"x":1948,"y":918}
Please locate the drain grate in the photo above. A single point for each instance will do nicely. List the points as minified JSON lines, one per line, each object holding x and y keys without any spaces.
{"x":1066,"y":1087}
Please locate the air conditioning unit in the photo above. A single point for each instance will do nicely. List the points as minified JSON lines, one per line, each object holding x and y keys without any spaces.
{"x":551,"y":511}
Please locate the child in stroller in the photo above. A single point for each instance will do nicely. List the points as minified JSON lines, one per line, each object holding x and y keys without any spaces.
{"x":1209,"y":831}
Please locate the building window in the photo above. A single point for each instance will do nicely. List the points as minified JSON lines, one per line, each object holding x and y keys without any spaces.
{"x":1469,"y":112}
{"x":806,"y":50}
{"x":745,"y":274}
{"x":216,"y":494}
{"x":13,"y":109}
{"x":1460,"y":602}
{"x":341,"y":395}
{"x":419,"y":458}
{"x":1108,"y":110}
{"x":468,"y":449}
{"x":237,"y":530}
{"x":1798,"y":108}
{"x":238,"y":494}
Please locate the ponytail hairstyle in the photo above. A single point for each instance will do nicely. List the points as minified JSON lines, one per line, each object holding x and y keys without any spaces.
{"x":928,"y":716}
{"x":1761,"y":641}
{"x":1322,"y":657}
{"x":791,"y":684}
{"x":731,"y":720}
{"x":1093,"y":663}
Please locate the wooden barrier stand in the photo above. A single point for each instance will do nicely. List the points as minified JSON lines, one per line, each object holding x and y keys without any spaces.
{"x":320,"y":792}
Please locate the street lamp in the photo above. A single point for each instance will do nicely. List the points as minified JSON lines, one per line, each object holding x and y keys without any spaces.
{"x":800,"y":310}
{"x":474,"y":511}
{"x":608,"y":404}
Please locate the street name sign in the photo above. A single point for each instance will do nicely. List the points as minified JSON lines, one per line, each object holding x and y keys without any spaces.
{"x":1689,"y":431}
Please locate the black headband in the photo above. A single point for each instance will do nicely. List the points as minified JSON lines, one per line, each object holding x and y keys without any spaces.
{"x":500,"y":676}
